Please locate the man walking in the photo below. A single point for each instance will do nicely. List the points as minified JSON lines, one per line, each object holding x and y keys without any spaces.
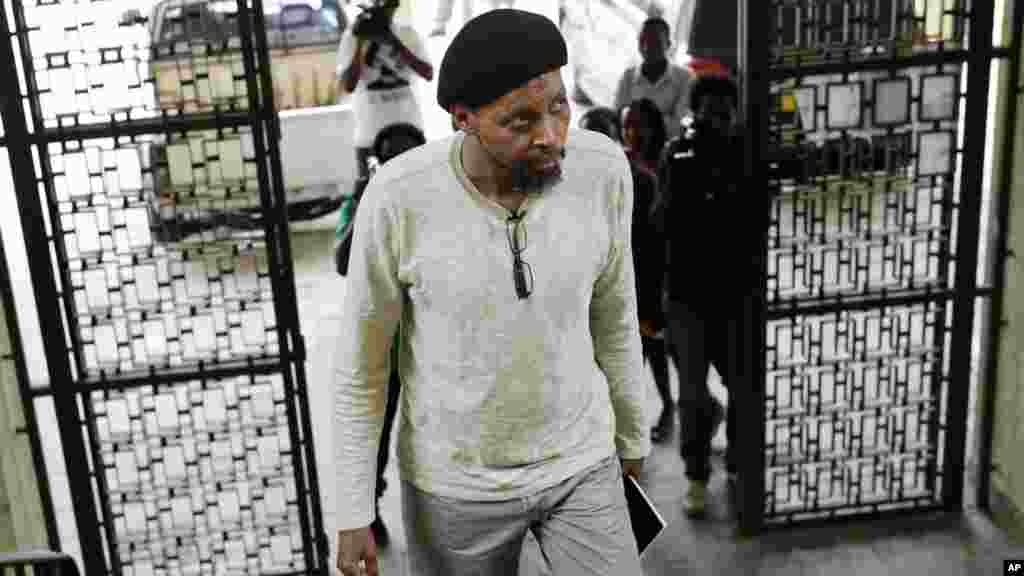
{"x":704,"y":287}
{"x":503,"y":256}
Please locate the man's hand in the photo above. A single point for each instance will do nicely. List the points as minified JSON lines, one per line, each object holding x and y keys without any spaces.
{"x":421,"y":67}
{"x":632,"y":468}
{"x":356,"y":547}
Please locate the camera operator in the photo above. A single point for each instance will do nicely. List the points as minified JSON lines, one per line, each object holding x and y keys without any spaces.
{"x":376,"y":62}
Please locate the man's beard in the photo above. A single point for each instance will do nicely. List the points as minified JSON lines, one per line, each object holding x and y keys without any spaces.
{"x":525,"y":179}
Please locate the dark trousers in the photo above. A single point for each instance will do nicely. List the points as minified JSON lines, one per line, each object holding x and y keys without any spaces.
{"x":656,"y":354}
{"x":699,"y":336}
{"x":391,"y":408}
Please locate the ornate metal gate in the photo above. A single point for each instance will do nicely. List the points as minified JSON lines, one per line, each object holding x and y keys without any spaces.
{"x":176,"y":369}
{"x":873,"y":146}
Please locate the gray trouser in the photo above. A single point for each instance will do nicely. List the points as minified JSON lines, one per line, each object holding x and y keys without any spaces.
{"x":581,"y":525}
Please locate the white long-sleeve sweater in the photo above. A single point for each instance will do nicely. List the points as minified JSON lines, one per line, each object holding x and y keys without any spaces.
{"x":501,"y":397}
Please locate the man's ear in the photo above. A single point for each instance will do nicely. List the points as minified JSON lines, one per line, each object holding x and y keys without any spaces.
{"x":464,"y":118}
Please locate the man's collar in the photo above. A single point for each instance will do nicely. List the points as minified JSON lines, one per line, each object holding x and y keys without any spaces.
{"x":660,"y":67}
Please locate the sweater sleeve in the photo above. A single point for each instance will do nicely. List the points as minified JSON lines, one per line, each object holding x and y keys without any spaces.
{"x":372,"y":312}
{"x":615,"y":328}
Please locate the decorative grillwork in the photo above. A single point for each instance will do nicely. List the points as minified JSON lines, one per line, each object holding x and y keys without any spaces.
{"x":861,"y":255}
{"x":854,"y":406}
{"x":820,"y":31}
{"x":200,"y":477}
{"x":91,"y":67}
{"x":141,"y":303}
{"x":159,"y":251}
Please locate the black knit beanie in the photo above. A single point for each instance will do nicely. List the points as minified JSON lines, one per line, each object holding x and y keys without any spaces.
{"x":495,"y":53}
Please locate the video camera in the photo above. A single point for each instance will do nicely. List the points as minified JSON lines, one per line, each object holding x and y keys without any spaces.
{"x":374,"y":21}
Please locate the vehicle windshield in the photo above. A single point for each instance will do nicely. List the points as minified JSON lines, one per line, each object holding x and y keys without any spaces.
{"x":293,"y":23}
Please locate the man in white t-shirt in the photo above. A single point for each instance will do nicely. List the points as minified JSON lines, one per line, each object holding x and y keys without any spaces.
{"x":657,"y":78}
{"x":377,"y":70}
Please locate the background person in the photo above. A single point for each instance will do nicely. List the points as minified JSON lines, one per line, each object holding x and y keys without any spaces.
{"x":378,"y":60}
{"x":644,"y":138}
{"x":604,"y":120}
{"x":709,"y":261}
{"x":656,"y":78}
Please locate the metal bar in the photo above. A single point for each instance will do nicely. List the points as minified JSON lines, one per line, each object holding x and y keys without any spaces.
{"x":755,"y":34}
{"x":164,"y":124}
{"x":287,"y":308}
{"x":920,"y":516}
{"x":221,"y":371}
{"x":778,"y":311}
{"x":50,"y":322}
{"x":65,"y":295}
{"x":99,"y":476}
{"x":924,"y":59}
{"x":25,"y":389}
{"x":1002,"y":208}
{"x":270,"y":224}
{"x":971,"y":190}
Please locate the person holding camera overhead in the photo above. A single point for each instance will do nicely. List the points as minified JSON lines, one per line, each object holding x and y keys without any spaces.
{"x":376,"y":62}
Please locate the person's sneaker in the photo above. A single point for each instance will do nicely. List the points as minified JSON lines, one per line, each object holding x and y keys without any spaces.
{"x":661,"y":431}
{"x":380,"y":532}
{"x":696,"y":499}
{"x":437,"y":31}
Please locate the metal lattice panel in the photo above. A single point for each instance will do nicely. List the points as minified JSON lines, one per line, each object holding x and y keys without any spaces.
{"x":200,"y":477}
{"x":816,"y":31}
{"x":141,"y":303}
{"x":861,"y":255}
{"x":854,"y":407}
{"x":90,"y":66}
{"x":157,"y":174}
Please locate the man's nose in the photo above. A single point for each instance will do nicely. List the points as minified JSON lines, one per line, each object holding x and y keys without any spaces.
{"x":547,"y":132}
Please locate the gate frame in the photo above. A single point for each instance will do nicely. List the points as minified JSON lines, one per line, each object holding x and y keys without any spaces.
{"x":19,"y":144}
{"x":756,"y":79}
{"x":86,"y":479}
{"x":1001,"y":253}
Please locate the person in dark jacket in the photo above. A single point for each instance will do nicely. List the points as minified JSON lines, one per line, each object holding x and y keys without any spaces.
{"x":702,"y":213}
{"x":644,"y":137}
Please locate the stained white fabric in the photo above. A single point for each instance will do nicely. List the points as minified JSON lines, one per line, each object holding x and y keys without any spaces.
{"x":501,"y":397}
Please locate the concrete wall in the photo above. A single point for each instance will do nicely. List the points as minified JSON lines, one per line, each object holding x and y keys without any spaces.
{"x":1008,"y":438}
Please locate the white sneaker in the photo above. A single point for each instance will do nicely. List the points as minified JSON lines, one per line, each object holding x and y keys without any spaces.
{"x":696,"y":499}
